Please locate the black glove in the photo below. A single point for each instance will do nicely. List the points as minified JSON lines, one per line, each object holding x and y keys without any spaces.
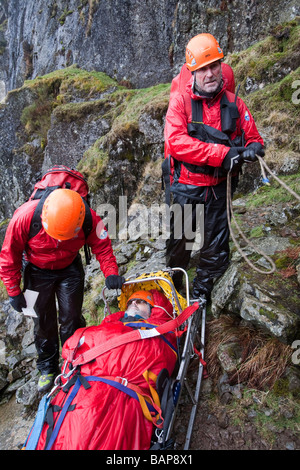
{"x":249,"y":156}
{"x":251,"y":151}
{"x":114,"y":282}
{"x":233,"y":158}
{"x":18,"y":302}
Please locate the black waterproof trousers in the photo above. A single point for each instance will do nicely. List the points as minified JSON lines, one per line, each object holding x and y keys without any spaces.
{"x":214,"y":254}
{"x":66,"y":286}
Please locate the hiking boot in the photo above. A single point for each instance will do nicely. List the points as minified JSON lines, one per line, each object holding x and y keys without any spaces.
{"x":45,"y":382}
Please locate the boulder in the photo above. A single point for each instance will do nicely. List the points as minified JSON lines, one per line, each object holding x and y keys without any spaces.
{"x":258,"y":299}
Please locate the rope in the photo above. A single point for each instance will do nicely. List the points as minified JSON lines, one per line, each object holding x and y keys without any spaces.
{"x":230,"y":216}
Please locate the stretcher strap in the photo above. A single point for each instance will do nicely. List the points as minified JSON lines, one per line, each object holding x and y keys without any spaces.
{"x":150,"y":375}
{"x":36,"y":430}
{"x":63,"y":413}
{"x":150,"y":404}
{"x":126,"y":338}
{"x":202,"y":361}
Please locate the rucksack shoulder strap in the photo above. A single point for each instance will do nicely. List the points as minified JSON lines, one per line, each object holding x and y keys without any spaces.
{"x":229,"y":114}
{"x":88,"y":221}
{"x":36,"y":222}
{"x":197,"y":111}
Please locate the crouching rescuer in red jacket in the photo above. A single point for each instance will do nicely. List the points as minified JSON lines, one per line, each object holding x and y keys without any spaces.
{"x":52,"y":267}
{"x":209,"y":132}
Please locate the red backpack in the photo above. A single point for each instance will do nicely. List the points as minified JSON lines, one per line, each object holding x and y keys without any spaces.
{"x":60,"y":177}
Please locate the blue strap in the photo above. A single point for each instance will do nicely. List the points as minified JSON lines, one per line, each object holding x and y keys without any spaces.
{"x":74,"y":392}
{"x":36,"y":429}
{"x":120,"y":387}
{"x":63,"y":414}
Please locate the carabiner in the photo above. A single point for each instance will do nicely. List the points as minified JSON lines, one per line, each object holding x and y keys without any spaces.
{"x":55,"y":386}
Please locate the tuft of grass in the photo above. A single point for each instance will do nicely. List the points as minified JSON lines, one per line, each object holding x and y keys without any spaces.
{"x":93,"y":165}
{"x":79,"y":78}
{"x":36,"y":117}
{"x":263,"y":359}
{"x":257,"y":232}
{"x":153,"y":99}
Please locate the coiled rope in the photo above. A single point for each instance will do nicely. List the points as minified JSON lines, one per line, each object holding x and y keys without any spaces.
{"x":231,"y":218}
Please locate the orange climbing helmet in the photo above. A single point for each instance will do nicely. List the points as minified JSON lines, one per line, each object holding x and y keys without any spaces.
{"x":142,"y":295}
{"x":63,"y":214}
{"x":202,"y":50}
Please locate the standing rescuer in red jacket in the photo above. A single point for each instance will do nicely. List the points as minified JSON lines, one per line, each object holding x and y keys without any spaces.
{"x":209,"y":132}
{"x":53,"y":268}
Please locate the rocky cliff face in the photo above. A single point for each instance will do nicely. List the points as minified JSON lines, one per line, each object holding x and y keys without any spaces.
{"x":140,"y":42}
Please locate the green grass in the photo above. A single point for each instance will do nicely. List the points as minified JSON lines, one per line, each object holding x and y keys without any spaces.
{"x":265,"y":63}
{"x":156,"y":97}
{"x":266,"y":195}
{"x":261,"y":61}
{"x":271,"y":412}
{"x":79,"y":78}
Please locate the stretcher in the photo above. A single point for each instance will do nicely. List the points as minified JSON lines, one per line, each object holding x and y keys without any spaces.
{"x":121,"y":382}
{"x":191,"y":343}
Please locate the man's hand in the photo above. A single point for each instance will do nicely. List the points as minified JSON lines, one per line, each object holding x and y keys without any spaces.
{"x":114,"y":282}
{"x":249,"y":155}
{"x":18,"y":302}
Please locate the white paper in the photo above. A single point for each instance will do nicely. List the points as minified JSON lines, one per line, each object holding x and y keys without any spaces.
{"x":30,"y":297}
{"x":148,"y":333}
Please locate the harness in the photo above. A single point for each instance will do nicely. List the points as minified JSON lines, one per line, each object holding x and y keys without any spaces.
{"x":171,"y":167}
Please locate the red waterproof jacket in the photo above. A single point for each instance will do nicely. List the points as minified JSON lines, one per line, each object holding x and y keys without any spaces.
{"x":47,"y":253}
{"x":188,"y":149}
